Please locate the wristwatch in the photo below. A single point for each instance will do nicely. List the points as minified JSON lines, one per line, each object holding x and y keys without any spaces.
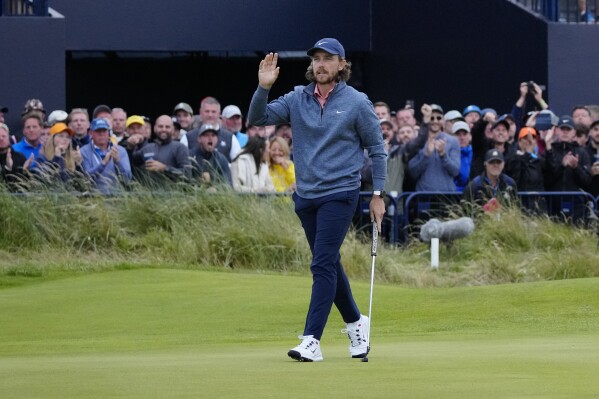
{"x":379,"y":193}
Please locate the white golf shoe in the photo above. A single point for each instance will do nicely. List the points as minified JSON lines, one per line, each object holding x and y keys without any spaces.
{"x":358,"y":337}
{"x":307,"y":351}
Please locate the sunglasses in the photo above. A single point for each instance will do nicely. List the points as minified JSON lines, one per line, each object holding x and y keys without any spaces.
{"x":436,"y":118}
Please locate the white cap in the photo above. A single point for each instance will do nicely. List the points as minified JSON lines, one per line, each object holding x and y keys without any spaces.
{"x":460,"y":125}
{"x":453,"y":114}
{"x":230,"y":111}
{"x":57,"y":116}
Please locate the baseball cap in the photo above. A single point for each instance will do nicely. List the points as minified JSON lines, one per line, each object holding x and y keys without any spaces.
{"x":280,"y":125}
{"x":135,"y":119}
{"x":565,"y":120}
{"x":493,"y":155}
{"x":3,"y":109}
{"x":452,"y":115}
{"x":230,"y":111}
{"x":101,"y":108}
{"x":471,"y":108}
{"x":33,"y":105}
{"x":595,"y":122}
{"x":183,"y":107}
{"x":330,"y":45}
{"x":484,"y":111}
{"x":502,"y":120}
{"x":460,"y":125}
{"x":207,"y":127}
{"x":59,"y":128}
{"x":386,"y":122}
{"x":525,"y":131}
{"x":437,"y":108}
{"x":99,"y":124}
{"x":57,"y":116}
{"x":545,"y":120}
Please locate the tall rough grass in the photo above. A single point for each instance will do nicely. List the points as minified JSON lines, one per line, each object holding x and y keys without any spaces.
{"x":57,"y":232}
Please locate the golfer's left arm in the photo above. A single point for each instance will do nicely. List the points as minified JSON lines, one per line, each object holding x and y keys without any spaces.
{"x":372,"y":138}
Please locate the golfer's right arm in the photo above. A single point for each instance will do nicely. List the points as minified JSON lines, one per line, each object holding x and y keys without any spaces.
{"x":261,"y":113}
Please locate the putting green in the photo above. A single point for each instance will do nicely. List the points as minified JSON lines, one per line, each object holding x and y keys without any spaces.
{"x":189,"y":334}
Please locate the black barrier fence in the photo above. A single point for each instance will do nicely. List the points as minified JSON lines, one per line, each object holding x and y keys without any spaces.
{"x":13,"y":8}
{"x":408,"y":211}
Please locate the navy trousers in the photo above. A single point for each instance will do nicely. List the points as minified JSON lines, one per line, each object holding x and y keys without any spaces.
{"x":325,"y":221}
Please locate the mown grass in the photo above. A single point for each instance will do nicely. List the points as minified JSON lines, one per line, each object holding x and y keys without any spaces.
{"x":188,"y":334}
{"x":56,"y":234}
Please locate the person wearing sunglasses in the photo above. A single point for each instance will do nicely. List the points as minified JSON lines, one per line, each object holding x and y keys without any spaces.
{"x":438,"y":161}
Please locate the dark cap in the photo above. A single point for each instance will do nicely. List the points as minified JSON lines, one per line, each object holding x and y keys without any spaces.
{"x":493,"y":155}
{"x":280,"y":125}
{"x":99,"y":124}
{"x":437,"y":108}
{"x":206,"y":127}
{"x":101,"y":108}
{"x":595,"y":122}
{"x":33,"y":104}
{"x":330,"y":45}
{"x":3,"y":109}
{"x":502,"y":120}
{"x":386,"y":121}
{"x":566,"y":120}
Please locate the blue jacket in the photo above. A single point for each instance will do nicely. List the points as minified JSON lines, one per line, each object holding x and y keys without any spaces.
{"x":27,"y":149}
{"x":107,"y":178}
{"x":435,"y":173}
{"x":462,"y":179}
{"x":328,"y":142}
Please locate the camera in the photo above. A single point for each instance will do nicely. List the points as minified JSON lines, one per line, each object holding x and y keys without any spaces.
{"x":531,"y":87}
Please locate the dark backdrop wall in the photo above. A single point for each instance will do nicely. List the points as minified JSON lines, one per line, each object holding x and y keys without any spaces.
{"x":185,"y":50}
{"x":454,"y":53}
{"x":32,"y":64}
{"x":147,"y":56}
{"x":573,"y":61}
{"x":223,"y":25}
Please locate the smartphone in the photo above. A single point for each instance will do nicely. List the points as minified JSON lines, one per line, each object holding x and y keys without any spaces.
{"x":409,"y":104}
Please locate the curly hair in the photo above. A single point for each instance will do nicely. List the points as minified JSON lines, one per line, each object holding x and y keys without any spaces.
{"x":342,"y":76}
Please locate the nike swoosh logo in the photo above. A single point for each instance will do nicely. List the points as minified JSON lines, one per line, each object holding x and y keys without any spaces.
{"x":321,"y":43}
{"x":340,"y":112}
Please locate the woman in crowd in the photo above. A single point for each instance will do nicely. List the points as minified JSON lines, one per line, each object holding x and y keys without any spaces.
{"x":57,"y":156}
{"x":249,"y":170}
{"x":280,"y":166}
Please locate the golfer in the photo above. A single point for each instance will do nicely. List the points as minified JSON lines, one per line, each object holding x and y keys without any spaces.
{"x":332,"y":125}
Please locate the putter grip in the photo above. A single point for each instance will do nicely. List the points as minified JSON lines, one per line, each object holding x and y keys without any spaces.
{"x":375,"y":239}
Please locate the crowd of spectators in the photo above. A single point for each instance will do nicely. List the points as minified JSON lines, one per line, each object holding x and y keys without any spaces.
{"x":489,"y":156}
{"x":108,"y":150}
{"x":475,"y":151}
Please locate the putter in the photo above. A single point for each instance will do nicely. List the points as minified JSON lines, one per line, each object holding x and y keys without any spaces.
{"x":373,"y":248}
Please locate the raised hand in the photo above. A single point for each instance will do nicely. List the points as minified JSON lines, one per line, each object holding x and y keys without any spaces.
{"x":268,"y":72}
{"x":114,"y":152}
{"x":77,"y":157}
{"x":28,"y":162}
